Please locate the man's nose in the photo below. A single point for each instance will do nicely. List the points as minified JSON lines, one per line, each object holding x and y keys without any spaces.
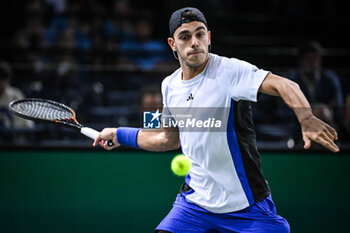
{"x":194,"y":42}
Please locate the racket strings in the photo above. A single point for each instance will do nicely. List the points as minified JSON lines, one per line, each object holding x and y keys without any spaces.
{"x":43,"y":110}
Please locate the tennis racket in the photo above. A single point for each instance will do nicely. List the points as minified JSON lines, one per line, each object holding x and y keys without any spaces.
{"x":50,"y":111}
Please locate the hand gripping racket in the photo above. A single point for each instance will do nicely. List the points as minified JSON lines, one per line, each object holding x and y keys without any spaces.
{"x":50,"y":111}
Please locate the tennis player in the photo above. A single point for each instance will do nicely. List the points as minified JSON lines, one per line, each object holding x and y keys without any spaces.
{"x":225,"y":190}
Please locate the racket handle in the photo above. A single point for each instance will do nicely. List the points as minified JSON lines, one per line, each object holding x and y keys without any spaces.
{"x":91,"y":133}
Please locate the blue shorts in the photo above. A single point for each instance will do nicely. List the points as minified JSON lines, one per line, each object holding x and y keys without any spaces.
{"x":260,"y":217}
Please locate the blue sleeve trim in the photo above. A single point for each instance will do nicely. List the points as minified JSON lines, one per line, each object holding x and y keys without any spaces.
{"x":127,"y":136}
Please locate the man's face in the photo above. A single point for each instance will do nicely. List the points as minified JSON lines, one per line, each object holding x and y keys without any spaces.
{"x":191,"y":41}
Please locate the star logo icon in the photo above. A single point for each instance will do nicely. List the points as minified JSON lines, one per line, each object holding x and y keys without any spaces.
{"x":152,"y":120}
{"x":156,"y":115}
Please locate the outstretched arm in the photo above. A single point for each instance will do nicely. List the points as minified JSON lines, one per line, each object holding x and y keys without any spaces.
{"x":312,"y":128}
{"x":159,"y":140}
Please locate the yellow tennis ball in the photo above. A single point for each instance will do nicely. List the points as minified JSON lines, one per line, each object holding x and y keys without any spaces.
{"x":181,"y":165}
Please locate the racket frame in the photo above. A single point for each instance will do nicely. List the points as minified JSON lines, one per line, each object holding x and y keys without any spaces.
{"x":69,"y":122}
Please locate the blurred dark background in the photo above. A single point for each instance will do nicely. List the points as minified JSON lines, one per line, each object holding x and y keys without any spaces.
{"x":97,"y":56}
{"x":106,"y":60}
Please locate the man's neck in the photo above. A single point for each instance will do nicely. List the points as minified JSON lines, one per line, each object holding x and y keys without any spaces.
{"x":191,"y":72}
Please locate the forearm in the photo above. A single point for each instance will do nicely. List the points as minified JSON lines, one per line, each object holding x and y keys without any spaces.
{"x":158,"y":141}
{"x":295,"y":99}
{"x":290,"y":92}
{"x":312,"y":128}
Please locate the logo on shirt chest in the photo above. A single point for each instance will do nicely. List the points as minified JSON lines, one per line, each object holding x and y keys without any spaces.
{"x":190,"y":97}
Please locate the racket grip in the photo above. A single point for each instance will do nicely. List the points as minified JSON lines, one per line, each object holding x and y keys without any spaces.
{"x":91,"y":133}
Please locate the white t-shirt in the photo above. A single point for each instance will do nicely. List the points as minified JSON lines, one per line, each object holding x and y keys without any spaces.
{"x":218,"y":175}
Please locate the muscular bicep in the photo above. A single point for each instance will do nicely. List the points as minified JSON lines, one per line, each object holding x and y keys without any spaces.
{"x":272,"y":84}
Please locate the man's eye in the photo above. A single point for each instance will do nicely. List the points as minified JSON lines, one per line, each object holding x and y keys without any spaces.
{"x":184,"y":37}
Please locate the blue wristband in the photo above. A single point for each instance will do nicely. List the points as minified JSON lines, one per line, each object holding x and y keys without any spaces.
{"x":127,"y":136}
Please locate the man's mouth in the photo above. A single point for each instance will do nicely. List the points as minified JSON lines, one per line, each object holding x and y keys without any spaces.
{"x":195,"y":52}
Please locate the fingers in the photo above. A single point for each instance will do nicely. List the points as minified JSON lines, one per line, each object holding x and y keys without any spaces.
{"x":104,"y":145}
{"x":101,"y":143}
{"x":329,"y":135}
{"x":307,"y":142}
{"x":328,"y":143}
{"x":97,"y":140}
{"x":324,"y":138}
{"x":102,"y":138}
{"x":332,"y":131}
{"x":320,"y":132}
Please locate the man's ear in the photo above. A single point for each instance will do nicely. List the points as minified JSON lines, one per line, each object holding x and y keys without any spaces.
{"x":209,"y":38}
{"x":171,"y":43}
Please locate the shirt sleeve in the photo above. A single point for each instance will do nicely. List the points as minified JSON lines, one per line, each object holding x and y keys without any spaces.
{"x":163,"y":90}
{"x":166,"y":114}
{"x":243,"y":79}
